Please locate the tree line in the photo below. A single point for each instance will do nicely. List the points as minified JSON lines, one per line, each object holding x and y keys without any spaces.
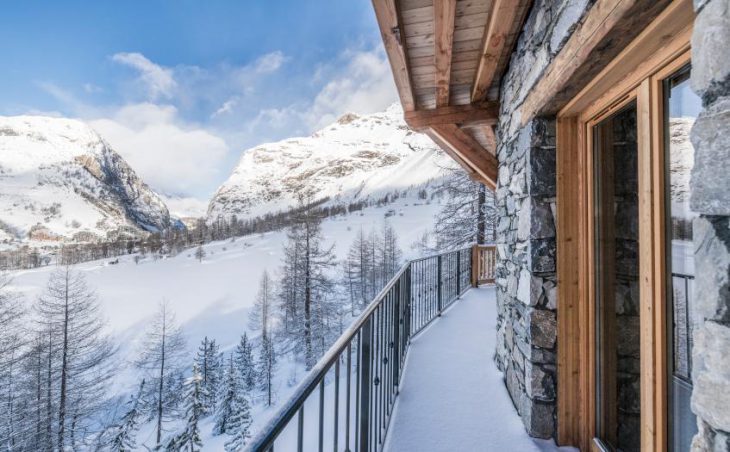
{"x":172,"y":241}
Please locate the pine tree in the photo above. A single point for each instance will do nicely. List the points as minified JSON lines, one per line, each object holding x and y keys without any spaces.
{"x":160,"y":359}
{"x":244,"y":363}
{"x":233,"y":416}
{"x":189,"y":439}
{"x":123,"y":439}
{"x":267,"y":368}
{"x":79,"y":354}
{"x":209,"y":362}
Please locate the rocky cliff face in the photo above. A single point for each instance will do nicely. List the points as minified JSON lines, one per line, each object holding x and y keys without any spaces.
{"x":60,"y":179}
{"x":354,"y":158}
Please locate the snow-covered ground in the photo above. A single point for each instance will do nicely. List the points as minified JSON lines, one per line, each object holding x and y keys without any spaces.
{"x":452,"y":396}
{"x":213,"y":297}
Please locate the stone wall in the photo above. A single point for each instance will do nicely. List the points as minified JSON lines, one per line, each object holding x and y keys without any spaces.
{"x":526,"y":275}
{"x":710,"y":196}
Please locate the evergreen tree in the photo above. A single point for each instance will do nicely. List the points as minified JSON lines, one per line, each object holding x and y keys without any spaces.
{"x":123,"y":439}
{"x":244,"y":364}
{"x":267,"y":368}
{"x":209,"y":362}
{"x":234,"y":413}
{"x":160,"y":359}
{"x":189,"y":439}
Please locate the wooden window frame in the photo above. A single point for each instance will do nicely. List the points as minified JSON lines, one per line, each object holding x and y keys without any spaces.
{"x":636,"y":74}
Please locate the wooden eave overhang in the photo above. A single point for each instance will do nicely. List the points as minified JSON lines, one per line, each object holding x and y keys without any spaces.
{"x":447,"y":58}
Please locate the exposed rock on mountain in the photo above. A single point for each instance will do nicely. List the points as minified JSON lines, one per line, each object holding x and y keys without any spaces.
{"x":60,"y":179}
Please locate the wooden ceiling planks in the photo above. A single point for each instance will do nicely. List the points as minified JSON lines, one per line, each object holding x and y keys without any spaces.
{"x":442,"y":47}
{"x":443,"y":20}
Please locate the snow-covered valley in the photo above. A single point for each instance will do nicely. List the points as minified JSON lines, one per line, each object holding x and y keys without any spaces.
{"x":213,"y":298}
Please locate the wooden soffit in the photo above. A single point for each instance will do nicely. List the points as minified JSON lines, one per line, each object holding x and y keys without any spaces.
{"x":447,"y":59}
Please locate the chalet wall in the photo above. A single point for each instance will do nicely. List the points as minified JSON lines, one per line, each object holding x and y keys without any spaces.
{"x":526,"y":274}
{"x":710,"y":196}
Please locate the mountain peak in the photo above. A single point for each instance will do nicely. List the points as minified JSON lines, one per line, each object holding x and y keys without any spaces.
{"x":355,"y":157}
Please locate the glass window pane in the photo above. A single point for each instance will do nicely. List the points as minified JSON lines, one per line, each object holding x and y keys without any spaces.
{"x":617,"y":280}
{"x":682,"y":108}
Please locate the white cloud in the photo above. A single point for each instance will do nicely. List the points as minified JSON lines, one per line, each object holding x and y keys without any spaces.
{"x":158,"y":80}
{"x":270,"y":62}
{"x":365,"y":85}
{"x":226,"y":108}
{"x":170,"y":155}
{"x":358,"y":81}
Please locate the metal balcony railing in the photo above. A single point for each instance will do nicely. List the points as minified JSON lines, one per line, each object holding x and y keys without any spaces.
{"x":352,"y":413}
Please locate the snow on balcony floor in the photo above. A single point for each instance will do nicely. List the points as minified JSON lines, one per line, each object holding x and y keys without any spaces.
{"x":452,"y":396}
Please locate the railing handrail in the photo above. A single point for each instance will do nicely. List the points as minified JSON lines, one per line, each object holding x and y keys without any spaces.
{"x":266,"y":436}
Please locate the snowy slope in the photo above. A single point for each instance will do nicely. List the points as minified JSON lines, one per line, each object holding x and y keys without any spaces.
{"x":213,"y":298}
{"x":59,"y":178}
{"x":356,"y":157}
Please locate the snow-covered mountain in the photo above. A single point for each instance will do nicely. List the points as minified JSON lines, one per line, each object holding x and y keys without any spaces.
{"x":60,"y":179}
{"x":354,"y":158}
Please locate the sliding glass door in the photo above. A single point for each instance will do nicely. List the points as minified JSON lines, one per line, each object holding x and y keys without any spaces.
{"x":617,"y":280}
{"x":681,"y":107}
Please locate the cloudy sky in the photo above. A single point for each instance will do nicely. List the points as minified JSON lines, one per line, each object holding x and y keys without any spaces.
{"x":181,"y":88}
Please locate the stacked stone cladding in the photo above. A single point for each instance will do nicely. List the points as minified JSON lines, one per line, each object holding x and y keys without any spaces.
{"x":710,"y":197}
{"x":526,"y":247}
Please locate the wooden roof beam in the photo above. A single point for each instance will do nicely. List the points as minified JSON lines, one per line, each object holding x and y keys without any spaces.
{"x":501,"y":20}
{"x":444,"y":14}
{"x":457,"y":158}
{"x":469,"y":152}
{"x":486,"y":113}
{"x":394,"y":40}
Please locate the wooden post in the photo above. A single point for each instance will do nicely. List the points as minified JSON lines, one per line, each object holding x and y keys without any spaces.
{"x":475,"y":266}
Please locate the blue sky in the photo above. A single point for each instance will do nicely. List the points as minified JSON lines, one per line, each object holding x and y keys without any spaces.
{"x":181,"y":88}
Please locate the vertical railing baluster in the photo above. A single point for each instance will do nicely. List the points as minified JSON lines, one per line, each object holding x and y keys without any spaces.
{"x":396,"y":331}
{"x":337,"y":401}
{"x":300,"y":430}
{"x":364,"y":384}
{"x":358,"y":393}
{"x":439,"y":286}
{"x":321,"y":415}
{"x":347,"y":403}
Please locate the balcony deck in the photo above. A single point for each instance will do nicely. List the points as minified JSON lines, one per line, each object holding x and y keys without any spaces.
{"x":452,"y":396}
